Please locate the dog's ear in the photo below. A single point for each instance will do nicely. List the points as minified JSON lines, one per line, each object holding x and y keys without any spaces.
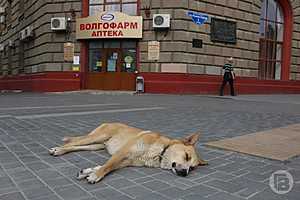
{"x":192,"y":139}
{"x":202,"y":162}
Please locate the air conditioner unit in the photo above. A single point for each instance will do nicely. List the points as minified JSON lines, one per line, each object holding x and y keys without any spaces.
{"x":29,"y":32}
{"x":1,"y":47}
{"x":161,"y":21}
{"x":2,"y":19}
{"x":58,"y":23}
{"x":2,"y":10}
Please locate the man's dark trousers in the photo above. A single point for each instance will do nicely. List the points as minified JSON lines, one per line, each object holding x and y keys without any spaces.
{"x":227,"y":78}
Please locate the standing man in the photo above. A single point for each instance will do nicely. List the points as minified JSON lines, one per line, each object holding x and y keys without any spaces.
{"x":228,"y":77}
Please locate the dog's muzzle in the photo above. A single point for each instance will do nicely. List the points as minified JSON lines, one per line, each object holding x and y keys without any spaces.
{"x":182,"y":172}
{"x":179,"y":170}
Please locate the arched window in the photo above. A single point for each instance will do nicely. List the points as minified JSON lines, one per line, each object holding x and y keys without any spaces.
{"x":271,"y":40}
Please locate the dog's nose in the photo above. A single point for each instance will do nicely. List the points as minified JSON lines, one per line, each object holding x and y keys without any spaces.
{"x":182,"y":172}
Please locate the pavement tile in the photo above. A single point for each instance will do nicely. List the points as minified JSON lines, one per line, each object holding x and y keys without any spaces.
{"x":20,"y":176}
{"x":201,"y":172}
{"x":49,"y":197}
{"x":91,"y":187}
{"x":37,"y":193}
{"x":221,"y":176}
{"x":136,"y":191}
{"x":107,"y":193}
{"x":223,"y":196}
{"x":231,"y":167}
{"x":152,"y":196}
{"x":172,"y":192}
{"x":48,"y":174}
{"x":30,"y":184}
{"x":143,"y":179}
{"x":29,"y":159}
{"x":225,"y":186}
{"x":71,"y":192}
{"x":58,"y":182}
{"x":6,"y":182}
{"x":130,"y":173}
{"x":36,"y":166}
{"x":13,"y":165}
{"x":219,"y":162}
{"x":202,"y":189}
{"x":12,"y":196}
{"x":257,"y":177}
{"x":156,"y":185}
{"x":119,"y":183}
{"x":8,"y":190}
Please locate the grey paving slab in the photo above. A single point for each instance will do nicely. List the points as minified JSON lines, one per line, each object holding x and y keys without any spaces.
{"x":119,"y":183}
{"x":6,"y":182}
{"x":223,"y":196}
{"x":107,"y":193}
{"x":150,"y":196}
{"x":173,"y":192}
{"x":20,"y":176}
{"x":156,"y":185}
{"x":225,"y":186}
{"x":136,"y":191}
{"x":202,"y":189}
{"x":12,"y":196}
{"x":58,"y":182}
{"x":37,"y":193}
{"x":30,"y":184}
{"x":71,"y":192}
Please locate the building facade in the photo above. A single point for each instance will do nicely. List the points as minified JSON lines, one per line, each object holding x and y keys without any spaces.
{"x":176,"y":46}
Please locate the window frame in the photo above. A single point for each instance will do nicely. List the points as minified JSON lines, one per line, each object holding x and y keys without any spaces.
{"x":266,"y":42}
{"x":118,"y":2}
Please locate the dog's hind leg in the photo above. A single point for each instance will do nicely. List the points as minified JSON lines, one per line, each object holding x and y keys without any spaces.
{"x":68,"y":139}
{"x":57,"y":151}
{"x":97,"y":136}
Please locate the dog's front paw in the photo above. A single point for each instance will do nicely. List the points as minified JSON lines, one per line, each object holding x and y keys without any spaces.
{"x":92,"y":178}
{"x":84,"y":173}
{"x":56,"y":151}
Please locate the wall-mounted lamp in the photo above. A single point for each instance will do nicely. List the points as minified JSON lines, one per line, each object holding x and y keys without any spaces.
{"x":147,"y":11}
{"x":73,"y":13}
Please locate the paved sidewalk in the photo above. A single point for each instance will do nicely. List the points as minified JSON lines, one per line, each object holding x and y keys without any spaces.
{"x":32,"y":123}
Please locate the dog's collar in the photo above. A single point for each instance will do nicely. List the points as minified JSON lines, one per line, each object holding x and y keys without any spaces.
{"x":163,"y":152}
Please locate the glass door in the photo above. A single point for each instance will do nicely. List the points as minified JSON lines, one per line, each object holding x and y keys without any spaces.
{"x":113,"y":58}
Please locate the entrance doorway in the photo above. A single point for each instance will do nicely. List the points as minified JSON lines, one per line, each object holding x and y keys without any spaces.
{"x":113,"y":67}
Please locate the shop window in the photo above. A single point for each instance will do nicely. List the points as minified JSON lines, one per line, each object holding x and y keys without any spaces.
{"x":126,"y":6}
{"x":271,"y":40}
{"x":95,"y":56}
{"x":128,"y":60}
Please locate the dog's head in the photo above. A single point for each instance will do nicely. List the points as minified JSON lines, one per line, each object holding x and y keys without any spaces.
{"x":182,"y":157}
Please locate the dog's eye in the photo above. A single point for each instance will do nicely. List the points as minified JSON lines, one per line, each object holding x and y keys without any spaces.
{"x":187,"y":157}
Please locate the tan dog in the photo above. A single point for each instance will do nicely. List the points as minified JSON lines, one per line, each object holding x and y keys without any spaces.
{"x":131,"y":146}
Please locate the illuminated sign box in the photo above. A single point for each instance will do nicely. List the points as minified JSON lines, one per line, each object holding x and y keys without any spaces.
{"x":109,"y":25}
